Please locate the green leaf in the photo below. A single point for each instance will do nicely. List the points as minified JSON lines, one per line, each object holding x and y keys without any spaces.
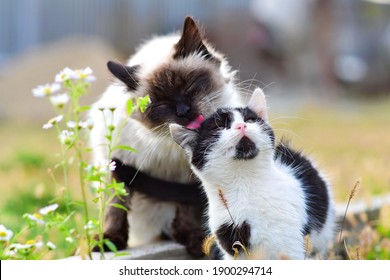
{"x":142,"y":103}
{"x":116,"y":205}
{"x":110,"y":245}
{"x":126,"y":148}
{"x":121,"y":254}
{"x":83,"y":108}
{"x":129,"y":107}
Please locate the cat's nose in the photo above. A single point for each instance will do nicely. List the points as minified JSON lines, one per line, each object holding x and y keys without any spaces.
{"x":182,"y":109}
{"x":241,"y":127}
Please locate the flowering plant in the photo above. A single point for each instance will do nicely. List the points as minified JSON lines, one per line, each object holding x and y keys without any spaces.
{"x":94,"y":179}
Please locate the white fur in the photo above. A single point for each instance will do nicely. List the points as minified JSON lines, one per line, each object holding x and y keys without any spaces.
{"x":157,"y":154}
{"x":262,"y":192}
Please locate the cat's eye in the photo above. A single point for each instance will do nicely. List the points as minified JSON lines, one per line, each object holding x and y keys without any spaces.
{"x":250,"y":119}
{"x":217,"y":124}
{"x":223,"y":121}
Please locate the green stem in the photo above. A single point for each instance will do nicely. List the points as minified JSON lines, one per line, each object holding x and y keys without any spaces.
{"x":75,"y":110}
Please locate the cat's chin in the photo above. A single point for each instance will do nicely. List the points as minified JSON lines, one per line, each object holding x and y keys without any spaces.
{"x":246,"y":149}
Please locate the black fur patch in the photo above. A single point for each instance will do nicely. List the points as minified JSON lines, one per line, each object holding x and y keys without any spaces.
{"x":187,"y":228}
{"x":209,"y":134}
{"x":246,"y":149}
{"x":315,"y":189}
{"x":155,"y":188}
{"x":187,"y":225}
{"x":227,"y":234}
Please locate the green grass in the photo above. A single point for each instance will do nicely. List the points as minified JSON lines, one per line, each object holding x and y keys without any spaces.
{"x":348,"y":142}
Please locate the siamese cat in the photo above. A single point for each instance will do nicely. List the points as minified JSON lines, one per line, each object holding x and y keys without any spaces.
{"x":186,"y":80}
{"x":263,"y":196}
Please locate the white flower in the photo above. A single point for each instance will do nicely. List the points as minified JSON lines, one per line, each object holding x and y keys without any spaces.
{"x":90,"y":225}
{"x":10,"y":254}
{"x":30,"y":244}
{"x":85,"y":74}
{"x":5,"y":234}
{"x":87,"y":124}
{"x":16,"y":246}
{"x":79,"y":74}
{"x":47,"y":126}
{"x":45,"y":90}
{"x":48,"y":209}
{"x":67,"y":137}
{"x":52,"y":122}
{"x":69,"y":239}
{"x":51,"y":246}
{"x":59,"y":100}
{"x":71,"y":124}
{"x":112,"y":107}
{"x":36,"y":218}
{"x":65,"y":74}
{"x":104,"y":165}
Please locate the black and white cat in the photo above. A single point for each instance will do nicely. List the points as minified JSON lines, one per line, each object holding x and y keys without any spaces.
{"x":265,"y":196}
{"x":186,"y":80}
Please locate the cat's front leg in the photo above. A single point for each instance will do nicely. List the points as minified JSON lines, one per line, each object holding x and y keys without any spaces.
{"x":187,"y":229}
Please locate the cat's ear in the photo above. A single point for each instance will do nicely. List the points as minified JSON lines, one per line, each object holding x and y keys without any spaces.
{"x":183,"y":136}
{"x":127,"y":74}
{"x":191,"y":41}
{"x":258,"y":104}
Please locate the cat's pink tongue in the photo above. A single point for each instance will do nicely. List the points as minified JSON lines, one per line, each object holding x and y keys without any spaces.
{"x":195,"y":123}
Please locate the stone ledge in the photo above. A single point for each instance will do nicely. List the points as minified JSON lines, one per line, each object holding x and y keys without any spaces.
{"x":169,"y":250}
{"x":162,"y":250}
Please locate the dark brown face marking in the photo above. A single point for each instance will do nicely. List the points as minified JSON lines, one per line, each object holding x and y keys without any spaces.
{"x":176,"y":94}
{"x":227,"y":234}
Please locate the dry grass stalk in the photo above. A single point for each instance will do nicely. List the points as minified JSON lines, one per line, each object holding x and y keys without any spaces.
{"x":351,"y":195}
{"x":207,"y":243}
{"x":236,"y":251}
{"x":358,"y":253}
{"x":347,"y":251}
{"x":238,"y":242}
{"x":308,"y":246}
{"x":225,"y":203}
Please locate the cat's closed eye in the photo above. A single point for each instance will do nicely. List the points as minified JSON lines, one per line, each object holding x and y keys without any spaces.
{"x":223,"y":121}
{"x":250,"y":117}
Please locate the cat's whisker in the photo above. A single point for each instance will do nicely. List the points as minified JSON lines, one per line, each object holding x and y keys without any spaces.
{"x":268,"y":85}
{"x":288,"y":132}
{"x":287,"y":118}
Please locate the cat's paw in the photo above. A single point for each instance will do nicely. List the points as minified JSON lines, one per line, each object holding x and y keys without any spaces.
{"x":192,"y":241}
{"x":194,"y":244}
